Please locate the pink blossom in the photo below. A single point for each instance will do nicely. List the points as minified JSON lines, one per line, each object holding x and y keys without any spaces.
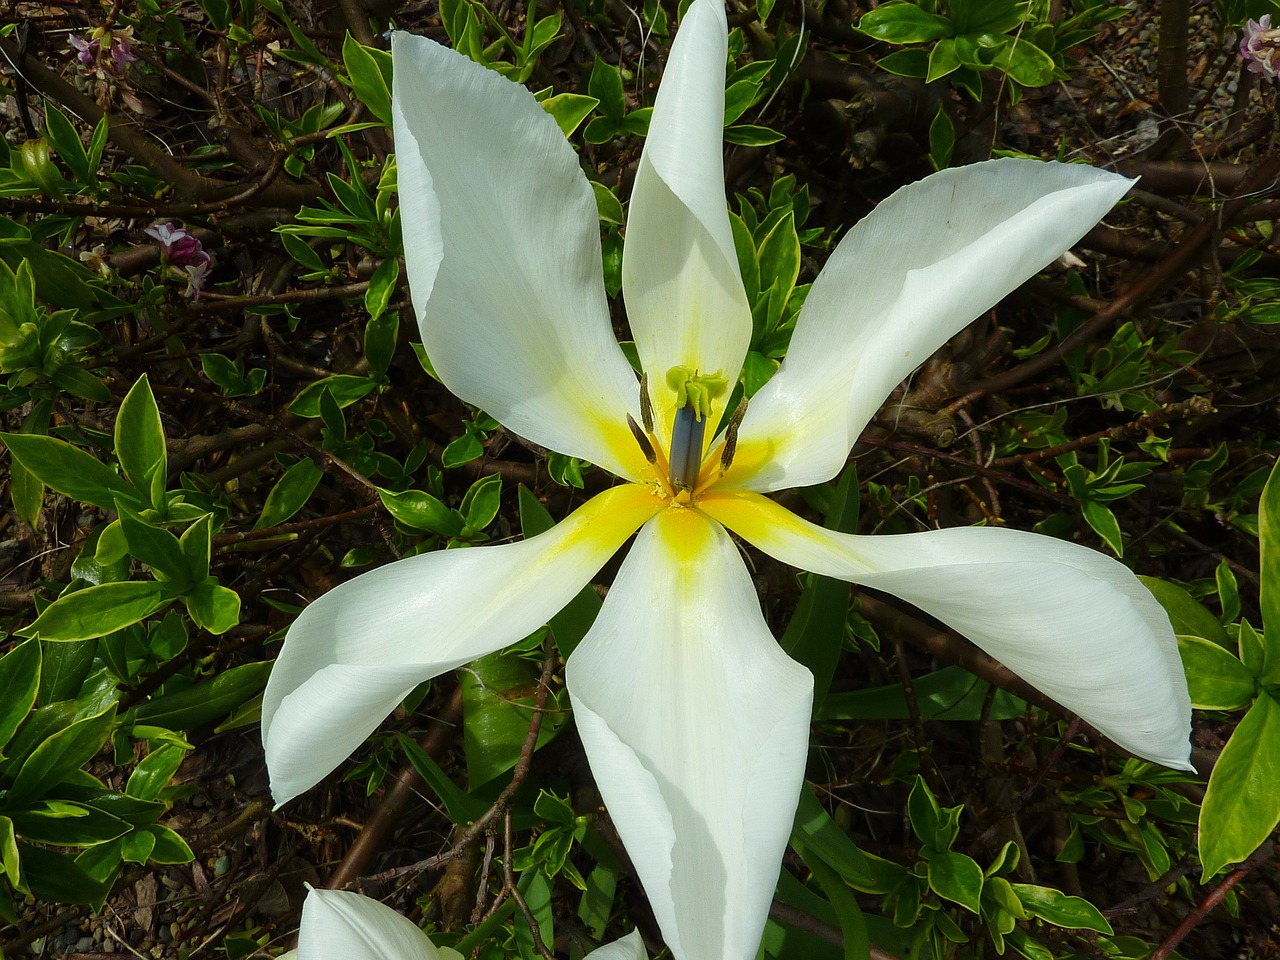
{"x":185,"y":253}
{"x":86,"y":50}
{"x":1260,"y":46}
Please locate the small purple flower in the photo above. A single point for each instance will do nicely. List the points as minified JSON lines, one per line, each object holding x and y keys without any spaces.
{"x":121,"y":54}
{"x":1260,"y":46}
{"x":86,"y":50}
{"x":185,"y":253}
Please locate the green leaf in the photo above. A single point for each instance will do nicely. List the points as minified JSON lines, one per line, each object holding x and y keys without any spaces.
{"x":1054,"y":906}
{"x":62,"y":135}
{"x":61,"y":754}
{"x":1188,"y":615}
{"x":1242,"y":801}
{"x":1026,"y":63}
{"x":64,"y":668}
{"x":923,"y":812}
{"x":157,"y":548}
{"x":498,"y":696}
{"x":421,"y":511}
{"x":378,"y":294}
{"x":381,"y":334}
{"x":1104,"y":523}
{"x":67,"y":824}
{"x":943,"y":60}
{"x":205,"y":702}
{"x":1216,"y":679}
{"x":139,"y":438}
{"x":951,"y":693}
{"x":942,"y":139}
{"x":569,"y":110}
{"x":1269,"y":574}
{"x":605,"y":86}
{"x":167,"y":846}
{"x":70,"y":470}
{"x":370,"y":71}
{"x":460,"y":805}
{"x":290,"y":494}
{"x":751,"y":135}
{"x":212,"y":606}
{"x":81,"y":383}
{"x":903,"y":23}
{"x":344,"y":388}
{"x":97,"y":611}
{"x":481,"y":503}
{"x":957,"y":878}
{"x":58,"y":878}
{"x":607,"y":204}
{"x":10,"y":860}
{"x":815,"y":834}
{"x":154,"y":771}
{"x":19,"y":679}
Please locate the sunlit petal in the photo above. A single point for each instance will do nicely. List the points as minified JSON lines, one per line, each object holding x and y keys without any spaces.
{"x":696,"y":727}
{"x":502,"y":245}
{"x":1069,"y":620}
{"x":630,"y":947}
{"x":680,"y":274}
{"x":355,"y":653}
{"x":341,"y":925}
{"x":904,"y":280}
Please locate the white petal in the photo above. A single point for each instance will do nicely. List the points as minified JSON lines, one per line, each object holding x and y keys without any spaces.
{"x":355,"y":653}
{"x":907,"y":278}
{"x":630,"y":947}
{"x":680,"y":276}
{"x":1069,"y":620}
{"x":502,"y":246}
{"x":696,"y":725}
{"x":341,"y":925}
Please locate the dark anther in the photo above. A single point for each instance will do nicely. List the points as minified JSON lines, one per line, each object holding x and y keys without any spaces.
{"x":641,"y":439}
{"x":731,"y":435}
{"x":646,"y":405}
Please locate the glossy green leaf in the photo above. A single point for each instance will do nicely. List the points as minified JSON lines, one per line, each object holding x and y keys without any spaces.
{"x":751,"y":135}
{"x":157,"y":548}
{"x":903,"y":23}
{"x":344,"y":388}
{"x":421,"y":511}
{"x":816,"y":834}
{"x":951,"y":693}
{"x":56,"y":877}
{"x":370,"y":72}
{"x":10,"y":860}
{"x":1242,"y":802}
{"x":1215,"y":679}
{"x":19,"y":679}
{"x":956,"y":877}
{"x":569,"y":110}
{"x":460,"y":805}
{"x":1187,"y":614}
{"x":205,"y":702}
{"x":212,"y":606}
{"x":605,"y":86}
{"x":499,"y":693}
{"x":1054,"y":906}
{"x":1269,"y":574}
{"x":70,"y":470}
{"x":139,"y":437}
{"x":97,"y":611}
{"x":167,"y":846}
{"x":290,"y":494}
{"x":64,"y":668}
{"x":66,"y":751}
{"x":154,"y":771}
{"x":480,"y":505}
{"x":67,"y":824}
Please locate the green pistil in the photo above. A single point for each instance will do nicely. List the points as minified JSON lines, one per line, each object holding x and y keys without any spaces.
{"x":695,"y":393}
{"x":696,"y":390}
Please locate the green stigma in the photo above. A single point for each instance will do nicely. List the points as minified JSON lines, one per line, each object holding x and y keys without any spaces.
{"x":696,"y":390}
{"x":694,"y":395}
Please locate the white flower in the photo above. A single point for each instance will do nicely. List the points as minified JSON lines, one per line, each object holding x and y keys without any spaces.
{"x":341,"y":925}
{"x":694,"y":721}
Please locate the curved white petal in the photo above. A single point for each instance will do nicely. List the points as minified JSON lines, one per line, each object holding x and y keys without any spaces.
{"x":696,"y":725}
{"x":630,"y":947}
{"x":355,"y":653}
{"x":1069,"y":620}
{"x":902,"y":282}
{"x":680,"y":276}
{"x":502,"y":247}
{"x":341,"y":925}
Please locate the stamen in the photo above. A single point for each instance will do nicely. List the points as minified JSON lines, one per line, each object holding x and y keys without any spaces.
{"x":646,"y":405}
{"x":686,"y":447}
{"x":731,"y":436}
{"x":645,"y":446}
